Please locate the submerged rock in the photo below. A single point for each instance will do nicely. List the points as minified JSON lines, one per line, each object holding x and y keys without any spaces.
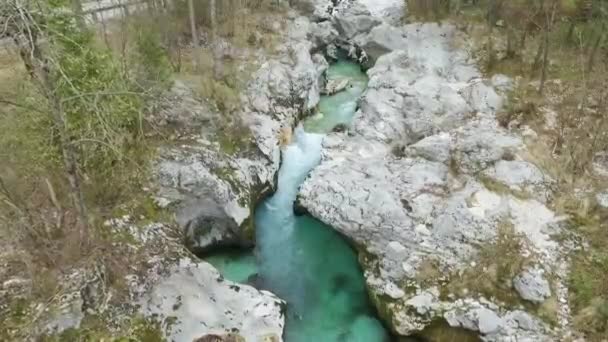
{"x":335,"y":86}
{"x":340,"y":128}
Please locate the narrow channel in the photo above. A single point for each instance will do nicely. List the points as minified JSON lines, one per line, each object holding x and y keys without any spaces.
{"x":302,"y":260}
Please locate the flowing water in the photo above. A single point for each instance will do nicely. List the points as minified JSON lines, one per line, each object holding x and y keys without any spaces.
{"x":302,"y":260}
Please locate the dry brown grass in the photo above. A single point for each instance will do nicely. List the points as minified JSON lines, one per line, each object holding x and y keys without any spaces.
{"x":565,"y":152}
{"x":496,"y":265}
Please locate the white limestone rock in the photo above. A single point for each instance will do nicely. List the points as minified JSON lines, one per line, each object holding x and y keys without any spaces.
{"x":194,"y":300}
{"x":427,"y":204}
{"x":335,"y":86}
{"x":323,"y":34}
{"x":502,"y":82}
{"x":434,"y":148}
{"x":532,"y":285}
{"x":481,"y":143}
{"x":380,"y":40}
{"x":521,"y":176}
{"x":495,"y":326}
{"x":391,"y":11}
{"x":354,"y":20}
{"x":602,"y":199}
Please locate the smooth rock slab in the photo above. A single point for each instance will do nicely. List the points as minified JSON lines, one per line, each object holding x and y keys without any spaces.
{"x":434,"y":148}
{"x":336,"y":86}
{"x":194,"y":300}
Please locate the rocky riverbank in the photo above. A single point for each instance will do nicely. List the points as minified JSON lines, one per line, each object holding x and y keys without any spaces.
{"x":449,"y":215}
{"x":215,"y":184}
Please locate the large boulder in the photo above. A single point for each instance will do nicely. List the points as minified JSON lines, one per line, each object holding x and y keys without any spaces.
{"x":194,"y":301}
{"x":391,"y":11}
{"x":354,"y":20}
{"x":213,"y":193}
{"x":323,"y":34}
{"x":381,"y":40}
{"x":532,"y":285}
{"x":334,"y":86}
{"x":411,"y":96}
{"x":434,"y":148}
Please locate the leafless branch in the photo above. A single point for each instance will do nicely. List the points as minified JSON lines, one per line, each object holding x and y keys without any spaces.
{"x":20,"y":105}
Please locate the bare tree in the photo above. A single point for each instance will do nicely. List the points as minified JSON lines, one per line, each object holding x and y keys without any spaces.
{"x":193,"y":31}
{"x":596,"y":45}
{"x":216,"y":46}
{"x":549,"y":20}
{"x":23,"y":27}
{"x":79,"y":13}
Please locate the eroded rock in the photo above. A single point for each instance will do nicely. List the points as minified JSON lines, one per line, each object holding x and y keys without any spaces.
{"x":354,"y":20}
{"x":194,"y":300}
{"x":335,"y":86}
{"x":532,"y":285}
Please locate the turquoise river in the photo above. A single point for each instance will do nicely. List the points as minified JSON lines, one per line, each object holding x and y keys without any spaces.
{"x":300,"y":259}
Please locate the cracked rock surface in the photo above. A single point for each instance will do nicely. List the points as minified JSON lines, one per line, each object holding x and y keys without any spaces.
{"x":425,"y":180}
{"x":195,"y":300}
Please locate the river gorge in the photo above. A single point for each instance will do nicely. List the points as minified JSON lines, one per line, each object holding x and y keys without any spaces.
{"x":418,"y":215}
{"x":299,"y":258}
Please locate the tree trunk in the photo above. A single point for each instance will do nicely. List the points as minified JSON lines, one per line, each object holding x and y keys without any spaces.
{"x":195,"y":41}
{"x":594,"y":50}
{"x":543,"y":73}
{"x":510,"y":45}
{"x":571,"y":28}
{"x":537,"y":58}
{"x":524,"y":37}
{"x":38,"y":66}
{"x":216,"y":48}
{"x":550,"y":17}
{"x":70,"y":163}
{"x":79,"y":13}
